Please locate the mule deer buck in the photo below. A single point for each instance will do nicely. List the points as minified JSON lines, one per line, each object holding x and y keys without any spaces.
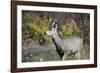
{"x":65,"y":47}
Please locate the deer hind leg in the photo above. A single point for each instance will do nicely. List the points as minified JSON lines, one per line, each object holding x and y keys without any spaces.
{"x":64,"y":56}
{"x":78,"y":55}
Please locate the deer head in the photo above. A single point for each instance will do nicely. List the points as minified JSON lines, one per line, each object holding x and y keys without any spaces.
{"x":52,"y":28}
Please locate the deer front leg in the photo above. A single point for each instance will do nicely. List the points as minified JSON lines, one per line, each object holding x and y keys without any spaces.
{"x":78,"y":55}
{"x":65,"y":56}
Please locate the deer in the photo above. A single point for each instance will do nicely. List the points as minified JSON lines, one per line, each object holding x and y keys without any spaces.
{"x":65,"y":47}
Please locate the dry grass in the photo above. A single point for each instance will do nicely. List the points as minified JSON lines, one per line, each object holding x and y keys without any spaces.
{"x":52,"y":55}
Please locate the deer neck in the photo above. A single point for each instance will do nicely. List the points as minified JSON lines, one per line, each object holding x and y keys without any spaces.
{"x":57,"y":41}
{"x":57,"y":38}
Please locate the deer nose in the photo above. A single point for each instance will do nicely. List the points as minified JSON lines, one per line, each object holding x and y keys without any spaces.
{"x":44,"y":33}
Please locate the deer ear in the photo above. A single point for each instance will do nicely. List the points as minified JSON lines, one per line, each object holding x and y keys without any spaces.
{"x":50,"y":19}
{"x":56,"y":20}
{"x":55,"y":25}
